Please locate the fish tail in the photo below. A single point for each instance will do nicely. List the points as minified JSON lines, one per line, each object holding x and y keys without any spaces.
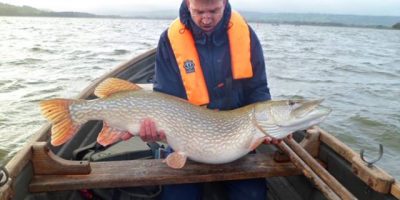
{"x":58,"y":113}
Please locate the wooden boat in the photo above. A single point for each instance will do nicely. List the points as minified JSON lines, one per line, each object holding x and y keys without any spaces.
{"x":125,"y":170}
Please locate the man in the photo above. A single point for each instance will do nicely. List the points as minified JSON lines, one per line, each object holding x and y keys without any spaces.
{"x":211,"y":57}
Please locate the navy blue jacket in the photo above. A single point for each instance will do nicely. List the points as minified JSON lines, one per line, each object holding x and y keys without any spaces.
{"x":225,"y":93}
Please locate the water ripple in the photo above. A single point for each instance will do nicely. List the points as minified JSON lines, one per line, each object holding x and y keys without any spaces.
{"x":120,"y":51}
{"x":25,"y":61}
{"x":41,"y":50}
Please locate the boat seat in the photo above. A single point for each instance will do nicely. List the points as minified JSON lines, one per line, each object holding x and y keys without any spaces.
{"x":53,"y":173}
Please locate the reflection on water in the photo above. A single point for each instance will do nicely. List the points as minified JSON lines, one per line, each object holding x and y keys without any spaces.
{"x":356,"y":71}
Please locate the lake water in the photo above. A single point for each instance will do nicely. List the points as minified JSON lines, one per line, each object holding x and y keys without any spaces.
{"x":356,"y":71}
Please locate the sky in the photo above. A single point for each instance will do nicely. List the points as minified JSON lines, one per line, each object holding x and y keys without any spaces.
{"x":118,"y":7}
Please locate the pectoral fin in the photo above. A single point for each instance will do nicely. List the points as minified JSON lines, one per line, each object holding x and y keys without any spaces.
{"x":256,"y":142}
{"x":176,"y":160}
{"x":109,"y":135}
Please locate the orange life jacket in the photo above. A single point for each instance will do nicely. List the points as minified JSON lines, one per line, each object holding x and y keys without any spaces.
{"x":184,"y":48}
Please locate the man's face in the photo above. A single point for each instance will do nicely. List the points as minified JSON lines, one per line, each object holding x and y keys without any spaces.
{"x":206,"y":13}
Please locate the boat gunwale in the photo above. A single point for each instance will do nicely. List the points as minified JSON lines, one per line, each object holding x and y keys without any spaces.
{"x":348,"y":154}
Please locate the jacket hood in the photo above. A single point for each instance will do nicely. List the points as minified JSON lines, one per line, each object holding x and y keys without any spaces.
{"x":199,"y":35}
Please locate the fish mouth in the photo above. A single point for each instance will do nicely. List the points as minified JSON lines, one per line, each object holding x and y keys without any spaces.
{"x":309,"y":114}
{"x":290,"y":116}
{"x":306,"y":108}
{"x":317,"y":115}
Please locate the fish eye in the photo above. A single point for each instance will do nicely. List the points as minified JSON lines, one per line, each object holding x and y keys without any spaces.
{"x":291,"y":102}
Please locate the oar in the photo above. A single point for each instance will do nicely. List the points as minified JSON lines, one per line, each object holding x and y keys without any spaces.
{"x":308,"y":172}
{"x":331,"y":181}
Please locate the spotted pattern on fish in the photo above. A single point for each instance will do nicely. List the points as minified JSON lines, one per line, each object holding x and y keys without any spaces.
{"x":201,"y":134}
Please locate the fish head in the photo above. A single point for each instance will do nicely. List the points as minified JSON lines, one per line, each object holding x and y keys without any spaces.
{"x":282,"y":117}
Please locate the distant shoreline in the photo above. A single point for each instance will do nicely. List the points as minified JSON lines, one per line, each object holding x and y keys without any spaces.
{"x":254,"y":17}
{"x":250,"y":21}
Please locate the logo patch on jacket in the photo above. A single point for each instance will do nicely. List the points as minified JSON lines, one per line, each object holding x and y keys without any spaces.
{"x":189,"y":66}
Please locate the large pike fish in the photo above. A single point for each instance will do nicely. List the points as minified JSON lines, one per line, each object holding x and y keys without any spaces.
{"x":194,"y":132}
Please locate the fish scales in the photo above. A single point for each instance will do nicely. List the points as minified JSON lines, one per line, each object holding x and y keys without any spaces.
{"x":197,"y":131}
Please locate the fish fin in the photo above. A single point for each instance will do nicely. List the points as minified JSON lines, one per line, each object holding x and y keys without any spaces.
{"x":126,"y":136}
{"x":273,"y":130}
{"x":57,"y":112}
{"x":256,"y":142}
{"x":176,"y":160}
{"x":109,"y":135}
{"x":114,"y":85}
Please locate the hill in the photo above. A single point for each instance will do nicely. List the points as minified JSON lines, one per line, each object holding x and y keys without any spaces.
{"x":295,"y":18}
{"x":11,"y":10}
{"x":325,"y":19}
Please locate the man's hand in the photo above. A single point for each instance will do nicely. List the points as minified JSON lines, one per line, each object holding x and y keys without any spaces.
{"x":149,"y":133}
{"x":270,"y":140}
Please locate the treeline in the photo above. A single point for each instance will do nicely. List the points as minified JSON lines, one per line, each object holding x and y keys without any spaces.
{"x":11,"y":10}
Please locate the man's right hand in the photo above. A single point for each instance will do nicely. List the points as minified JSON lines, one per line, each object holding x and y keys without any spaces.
{"x":148,"y":131}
